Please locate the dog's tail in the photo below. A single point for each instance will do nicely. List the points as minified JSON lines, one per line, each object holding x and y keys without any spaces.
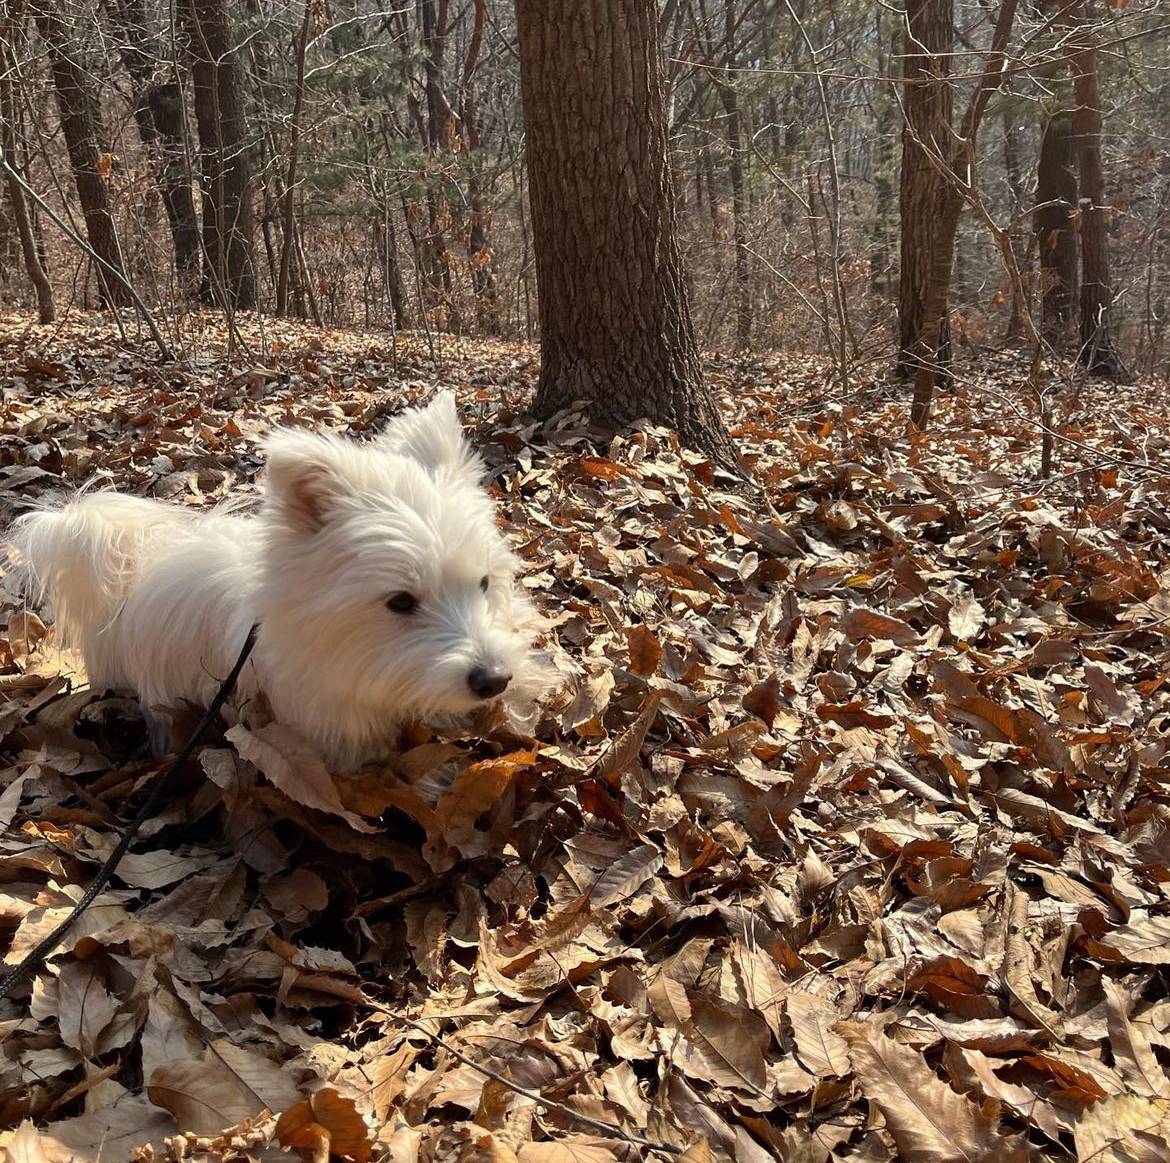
{"x":82,"y":556}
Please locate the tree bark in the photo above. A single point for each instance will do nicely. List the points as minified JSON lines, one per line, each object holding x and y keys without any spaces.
{"x":479,"y":246}
{"x":81,"y":125}
{"x":386,"y":245}
{"x":615,"y":326}
{"x":433,"y":35}
{"x":925,"y":194}
{"x":229,"y":261}
{"x":730,"y":99}
{"x":1011,"y":164}
{"x":884,"y":168}
{"x":1097,"y":351}
{"x":1055,"y":224}
{"x":953,"y":158}
{"x":46,"y":311}
{"x":288,"y":218}
{"x":158,"y":113}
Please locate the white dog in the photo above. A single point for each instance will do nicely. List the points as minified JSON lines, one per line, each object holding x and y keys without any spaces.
{"x":383,"y":590}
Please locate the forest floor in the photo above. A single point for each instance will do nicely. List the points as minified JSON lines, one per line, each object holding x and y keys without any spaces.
{"x":847,"y":838}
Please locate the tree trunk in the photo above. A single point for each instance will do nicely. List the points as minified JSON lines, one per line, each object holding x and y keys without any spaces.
{"x":433,"y":21}
{"x":229,"y":263}
{"x":1097,"y":352}
{"x":386,"y":244}
{"x":288,"y":221}
{"x":158,"y":113}
{"x":925,"y":194}
{"x":1055,"y":224}
{"x":730,"y":98}
{"x":884,"y":168}
{"x":479,"y":246}
{"x":1011,"y":164}
{"x":166,"y":102}
{"x":81,"y":125}
{"x":8,"y":143}
{"x":615,"y":326}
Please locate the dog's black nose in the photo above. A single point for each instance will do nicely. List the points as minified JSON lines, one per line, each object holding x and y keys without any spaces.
{"x":486,"y":684}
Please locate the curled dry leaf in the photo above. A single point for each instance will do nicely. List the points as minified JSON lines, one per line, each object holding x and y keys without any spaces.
{"x":328,"y":1125}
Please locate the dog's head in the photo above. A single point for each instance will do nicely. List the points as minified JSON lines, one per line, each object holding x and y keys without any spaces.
{"x":387,"y":558}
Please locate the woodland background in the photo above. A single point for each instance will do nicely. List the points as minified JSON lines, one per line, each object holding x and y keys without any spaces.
{"x":367,"y":162}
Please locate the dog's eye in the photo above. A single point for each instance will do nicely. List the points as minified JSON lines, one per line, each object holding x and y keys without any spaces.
{"x":402,"y":602}
{"x":483,"y":583}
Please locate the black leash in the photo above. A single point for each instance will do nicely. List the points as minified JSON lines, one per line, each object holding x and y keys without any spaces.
{"x":36,"y":958}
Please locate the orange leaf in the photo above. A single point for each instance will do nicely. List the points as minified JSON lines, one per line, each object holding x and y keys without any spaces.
{"x":645,"y":650}
{"x":326,"y":1124}
{"x":596,"y":466}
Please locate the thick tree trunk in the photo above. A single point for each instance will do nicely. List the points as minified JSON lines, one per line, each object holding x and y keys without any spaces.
{"x":925,"y":195}
{"x":81,"y":125}
{"x":20,"y":215}
{"x":229,"y":261}
{"x":1055,"y":223}
{"x":158,"y":113}
{"x":1097,"y":352}
{"x":615,"y":327}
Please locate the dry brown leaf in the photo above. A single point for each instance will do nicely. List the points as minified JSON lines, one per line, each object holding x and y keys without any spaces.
{"x":293,"y":767}
{"x":1133,"y":1055}
{"x":625,"y":876}
{"x":226,"y":1086}
{"x":966,"y":617}
{"x":862,"y":623}
{"x":26,"y":1144}
{"x":1144,"y":941}
{"x":821,"y":1051}
{"x":571,"y":1149}
{"x":85,"y":1007}
{"x":644,"y":649}
{"x":929,"y":1122}
{"x":1123,"y":1129}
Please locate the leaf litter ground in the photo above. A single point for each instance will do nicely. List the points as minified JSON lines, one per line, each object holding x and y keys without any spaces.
{"x":847,"y":837}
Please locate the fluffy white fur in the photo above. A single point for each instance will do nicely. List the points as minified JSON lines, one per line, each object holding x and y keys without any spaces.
{"x":159,"y":598}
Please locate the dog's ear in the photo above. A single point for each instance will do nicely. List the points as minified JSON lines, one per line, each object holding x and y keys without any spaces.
{"x":434,"y":438}
{"x":304,"y":478}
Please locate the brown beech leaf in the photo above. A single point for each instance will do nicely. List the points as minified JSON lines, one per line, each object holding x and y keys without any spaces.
{"x":644,"y":648}
{"x":1123,"y":1128}
{"x":821,"y":1051}
{"x":763,"y":700}
{"x":1144,"y":941}
{"x":929,"y":1122}
{"x":570,"y":1149}
{"x":294,"y":767}
{"x":861,"y":623}
{"x":626,"y":875}
{"x":475,"y":790}
{"x":226,"y":1086}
